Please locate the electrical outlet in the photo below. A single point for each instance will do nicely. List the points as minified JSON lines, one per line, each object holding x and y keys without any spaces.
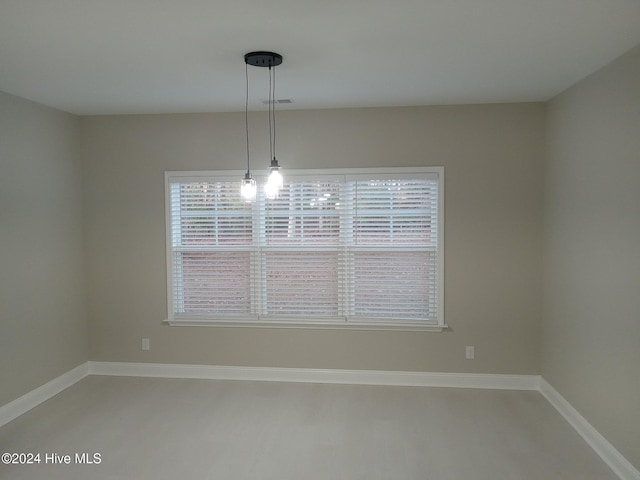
{"x":145,"y":344}
{"x":470,"y":353}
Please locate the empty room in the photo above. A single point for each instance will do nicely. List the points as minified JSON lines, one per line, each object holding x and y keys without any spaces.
{"x":320,"y":240}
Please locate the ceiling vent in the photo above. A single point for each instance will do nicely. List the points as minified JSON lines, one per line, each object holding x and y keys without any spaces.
{"x":278,"y":100}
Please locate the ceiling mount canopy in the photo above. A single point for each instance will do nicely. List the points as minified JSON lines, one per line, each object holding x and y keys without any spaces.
{"x":263,"y":59}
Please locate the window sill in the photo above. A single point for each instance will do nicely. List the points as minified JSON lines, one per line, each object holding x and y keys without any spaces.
{"x":313,"y":324}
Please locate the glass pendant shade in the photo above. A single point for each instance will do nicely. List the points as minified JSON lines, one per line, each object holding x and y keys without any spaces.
{"x":275,"y":181}
{"x":248,"y":188}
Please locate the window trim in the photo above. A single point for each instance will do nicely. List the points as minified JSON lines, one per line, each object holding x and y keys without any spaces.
{"x":308,"y":322}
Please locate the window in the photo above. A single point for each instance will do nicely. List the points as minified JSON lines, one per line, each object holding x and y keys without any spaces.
{"x":359,"y":248}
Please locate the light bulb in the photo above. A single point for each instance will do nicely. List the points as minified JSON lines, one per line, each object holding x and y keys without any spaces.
{"x":275,"y":178}
{"x":248,"y":189}
{"x":271,"y":190}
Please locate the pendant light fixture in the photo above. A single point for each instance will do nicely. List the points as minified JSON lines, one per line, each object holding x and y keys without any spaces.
{"x":248,"y":186}
{"x":274,"y":183}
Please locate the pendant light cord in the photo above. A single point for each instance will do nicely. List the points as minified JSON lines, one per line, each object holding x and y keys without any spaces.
{"x":270,"y":108}
{"x":246,"y":109}
{"x":273,"y":112}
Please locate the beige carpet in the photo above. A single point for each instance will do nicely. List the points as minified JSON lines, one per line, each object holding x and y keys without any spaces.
{"x":146,"y":428}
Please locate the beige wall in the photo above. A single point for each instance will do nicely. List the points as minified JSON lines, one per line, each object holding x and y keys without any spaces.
{"x":43,"y":331}
{"x":591,"y":347}
{"x":493,"y":166}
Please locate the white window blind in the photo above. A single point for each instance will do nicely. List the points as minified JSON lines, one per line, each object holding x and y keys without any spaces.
{"x":301,"y":249}
{"x":342,"y":247}
{"x":393,"y":248}
{"x":211,"y":245}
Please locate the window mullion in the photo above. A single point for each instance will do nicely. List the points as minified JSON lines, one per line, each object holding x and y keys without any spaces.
{"x":256,"y":253}
{"x":176,"y":256}
{"x":260,"y":279}
{"x":347,"y":233}
{"x":216,"y":200}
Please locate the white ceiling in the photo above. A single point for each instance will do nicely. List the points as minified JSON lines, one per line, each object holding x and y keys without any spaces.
{"x":152,"y":56}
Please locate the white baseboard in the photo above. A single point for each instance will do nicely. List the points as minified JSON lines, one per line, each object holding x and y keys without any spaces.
{"x":308,"y":375}
{"x":612,"y":457}
{"x":44,"y":392}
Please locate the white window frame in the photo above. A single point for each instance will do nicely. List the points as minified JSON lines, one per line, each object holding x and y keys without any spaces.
{"x":307,"y":322}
